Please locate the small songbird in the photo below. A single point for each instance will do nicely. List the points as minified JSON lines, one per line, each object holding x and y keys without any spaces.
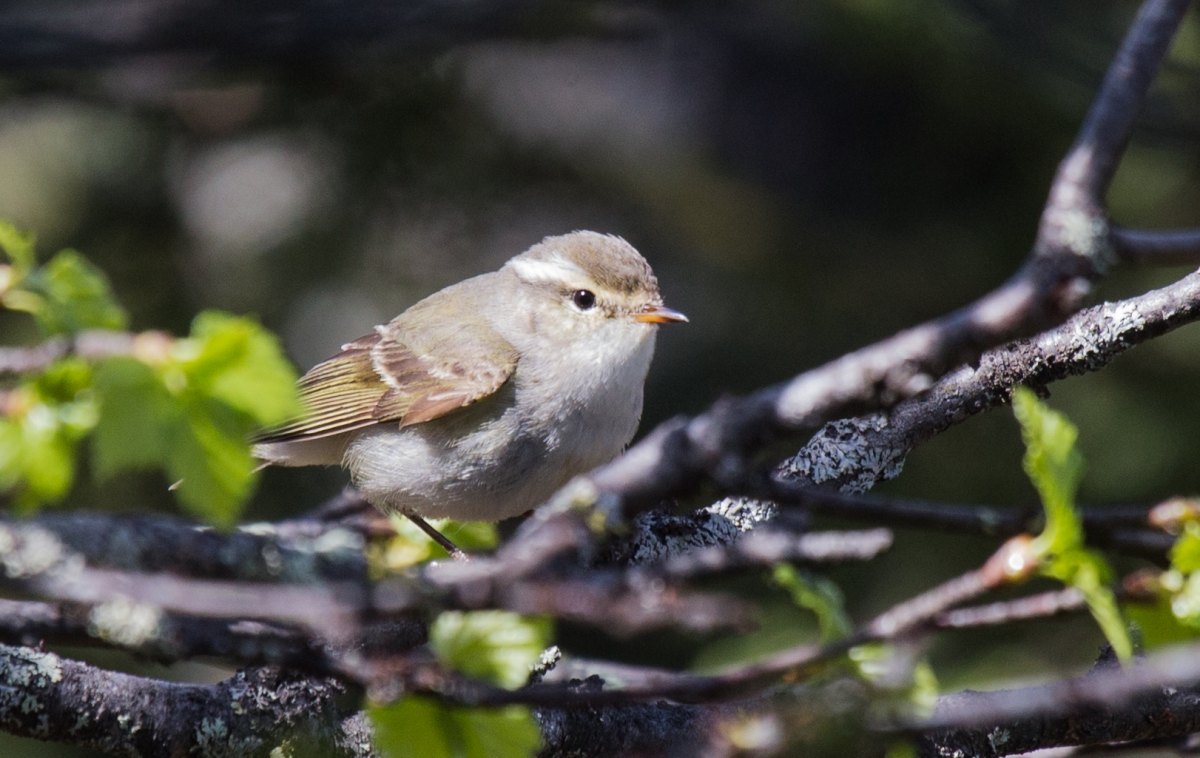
{"x":480,"y":401}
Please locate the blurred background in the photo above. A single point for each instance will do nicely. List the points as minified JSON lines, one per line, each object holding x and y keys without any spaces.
{"x":805,"y":176}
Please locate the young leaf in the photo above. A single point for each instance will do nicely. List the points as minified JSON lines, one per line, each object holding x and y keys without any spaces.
{"x":817,"y":594}
{"x":1054,"y":466}
{"x":410,"y":545}
{"x":236,"y":361}
{"x":417,"y":727}
{"x":1087,"y":571}
{"x":498,"y":646}
{"x":1159,"y":625}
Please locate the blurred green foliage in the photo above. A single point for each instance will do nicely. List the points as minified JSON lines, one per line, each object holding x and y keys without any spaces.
{"x":498,"y":646}
{"x":419,"y":727}
{"x":410,"y":545}
{"x":186,"y":406}
{"x":1175,"y":616}
{"x":819,"y":595}
{"x":495,"y":646}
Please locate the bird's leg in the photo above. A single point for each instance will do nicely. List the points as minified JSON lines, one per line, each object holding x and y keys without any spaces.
{"x":455,"y":552}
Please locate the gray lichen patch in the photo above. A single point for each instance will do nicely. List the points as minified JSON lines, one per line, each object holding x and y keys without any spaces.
{"x":27,"y":678}
{"x":658,"y":536}
{"x":847,"y":453}
{"x":25,"y":667}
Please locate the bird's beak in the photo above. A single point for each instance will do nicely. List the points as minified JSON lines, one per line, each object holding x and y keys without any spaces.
{"x":657,"y":314}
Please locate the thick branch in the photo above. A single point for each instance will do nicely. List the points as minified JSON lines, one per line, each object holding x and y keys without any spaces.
{"x":1155,"y":698}
{"x":258,"y":710}
{"x":855,"y":454}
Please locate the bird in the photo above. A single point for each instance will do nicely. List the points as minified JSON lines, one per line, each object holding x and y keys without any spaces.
{"x":486,"y":397}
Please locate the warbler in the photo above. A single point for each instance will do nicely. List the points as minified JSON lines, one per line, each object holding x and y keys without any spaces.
{"x":483,"y":399}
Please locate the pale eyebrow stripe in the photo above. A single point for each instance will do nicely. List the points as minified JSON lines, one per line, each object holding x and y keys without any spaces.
{"x":553,"y":270}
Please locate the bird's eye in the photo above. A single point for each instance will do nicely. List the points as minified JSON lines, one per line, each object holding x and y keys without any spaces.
{"x":583,"y":299}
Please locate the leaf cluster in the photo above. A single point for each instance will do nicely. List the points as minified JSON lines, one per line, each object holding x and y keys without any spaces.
{"x":187,"y":406}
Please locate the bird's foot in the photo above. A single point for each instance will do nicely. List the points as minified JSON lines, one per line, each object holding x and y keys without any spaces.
{"x":454,"y":550}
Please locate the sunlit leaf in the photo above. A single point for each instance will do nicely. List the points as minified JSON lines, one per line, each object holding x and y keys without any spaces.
{"x":498,"y":646}
{"x":241,"y":364}
{"x":1054,"y":466}
{"x":1185,"y":553}
{"x":819,"y":595}
{"x":499,"y":733}
{"x":37,"y":454}
{"x":410,"y":545}
{"x":418,"y":727}
{"x":907,"y":683}
{"x":1087,"y":571}
{"x":1159,"y":625}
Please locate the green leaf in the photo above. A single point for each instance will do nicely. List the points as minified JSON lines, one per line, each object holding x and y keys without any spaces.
{"x":70,"y":295}
{"x":18,"y":247}
{"x":1185,"y":603}
{"x":901,"y":749}
{"x":236,"y":361}
{"x":200,"y":443}
{"x":819,"y":595}
{"x":909,"y":685}
{"x":1087,"y":571}
{"x":37,"y":453}
{"x":137,"y":418}
{"x":1159,"y":625}
{"x":210,"y":462}
{"x":1185,"y":553}
{"x":1055,"y":467}
{"x":498,"y":646}
{"x":506,"y":733}
{"x":418,"y":727}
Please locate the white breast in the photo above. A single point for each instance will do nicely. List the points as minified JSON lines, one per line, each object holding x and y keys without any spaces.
{"x":555,"y":419}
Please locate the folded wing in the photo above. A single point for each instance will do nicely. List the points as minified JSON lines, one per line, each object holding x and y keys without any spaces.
{"x":383,"y":378}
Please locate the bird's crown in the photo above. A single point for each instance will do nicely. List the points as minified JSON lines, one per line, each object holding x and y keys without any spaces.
{"x":606,"y":260}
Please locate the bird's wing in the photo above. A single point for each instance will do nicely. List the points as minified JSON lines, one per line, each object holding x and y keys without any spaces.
{"x":384,"y":377}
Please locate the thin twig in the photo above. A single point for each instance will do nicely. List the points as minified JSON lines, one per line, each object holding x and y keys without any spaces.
{"x":1157,"y":247}
{"x":1041,"y":605}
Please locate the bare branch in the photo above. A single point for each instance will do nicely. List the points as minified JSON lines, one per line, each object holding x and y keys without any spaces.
{"x":1155,"y":697}
{"x":771,"y":544}
{"x":859,"y":453}
{"x":1157,"y":247}
{"x":52,"y":698}
{"x":92,"y":345}
{"x":1034,"y":606}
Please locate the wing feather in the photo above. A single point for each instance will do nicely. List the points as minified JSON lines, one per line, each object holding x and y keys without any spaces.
{"x":383,"y":378}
